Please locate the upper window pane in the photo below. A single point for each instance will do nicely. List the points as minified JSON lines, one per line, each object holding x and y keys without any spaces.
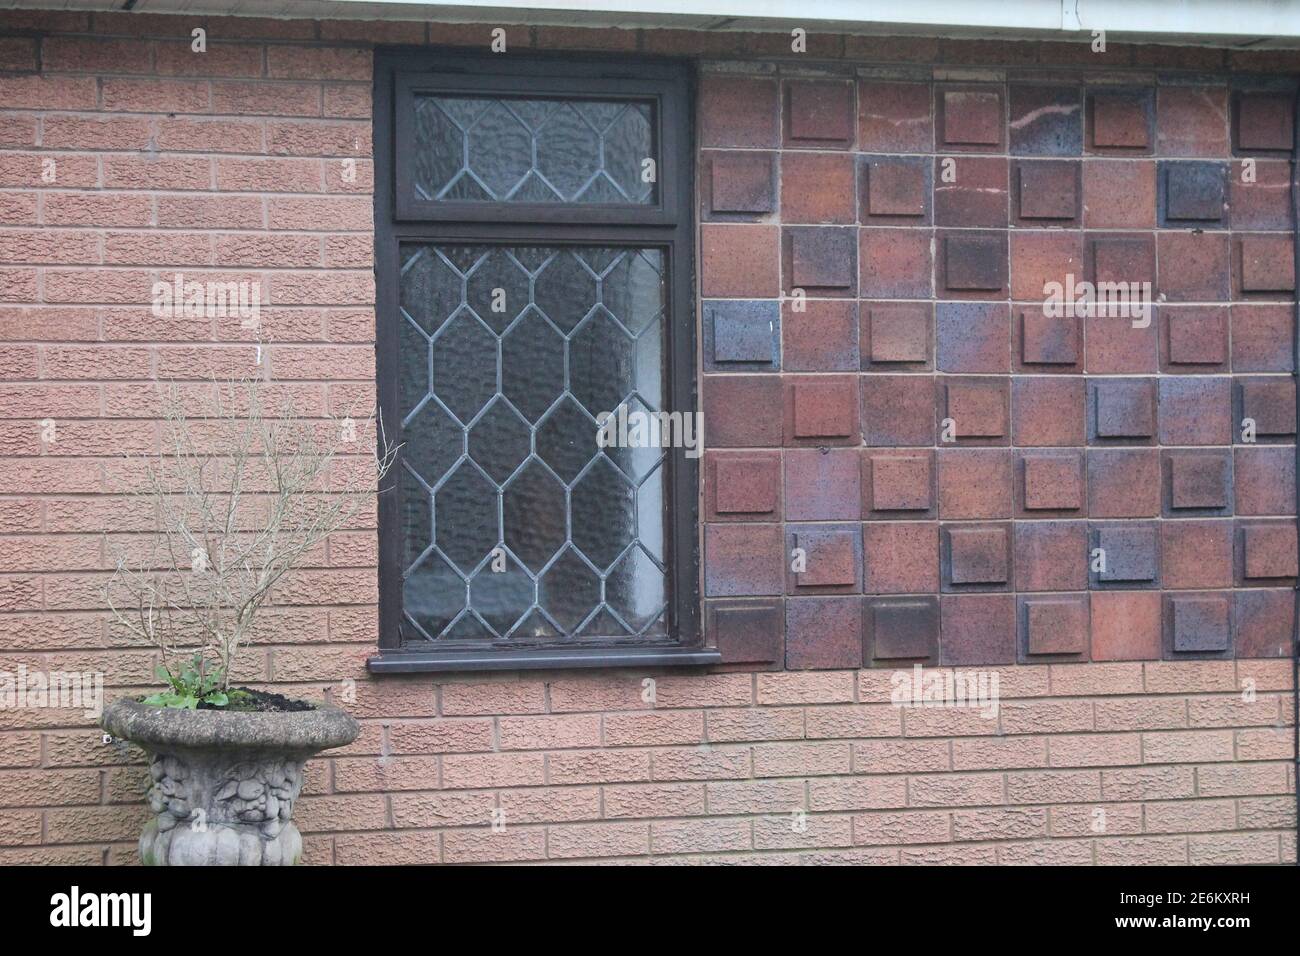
{"x":517,"y":150}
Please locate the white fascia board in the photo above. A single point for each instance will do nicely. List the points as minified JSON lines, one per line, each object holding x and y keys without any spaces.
{"x":1152,"y":18}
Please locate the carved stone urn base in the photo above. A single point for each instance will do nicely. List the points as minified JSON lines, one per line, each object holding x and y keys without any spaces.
{"x":224,"y":783}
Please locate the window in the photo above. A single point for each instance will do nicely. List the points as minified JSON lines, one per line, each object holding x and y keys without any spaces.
{"x":533,"y":262}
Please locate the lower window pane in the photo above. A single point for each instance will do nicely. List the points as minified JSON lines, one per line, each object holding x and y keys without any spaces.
{"x":519,"y":528}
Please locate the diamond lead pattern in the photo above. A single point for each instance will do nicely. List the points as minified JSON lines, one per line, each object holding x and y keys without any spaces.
{"x":518,"y":526}
{"x":471,"y":149}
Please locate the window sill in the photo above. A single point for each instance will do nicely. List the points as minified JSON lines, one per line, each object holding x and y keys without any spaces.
{"x":424,"y":661}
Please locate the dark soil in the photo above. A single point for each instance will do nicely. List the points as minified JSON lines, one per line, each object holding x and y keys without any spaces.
{"x":247,"y":700}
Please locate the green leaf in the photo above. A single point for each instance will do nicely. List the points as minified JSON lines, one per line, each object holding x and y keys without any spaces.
{"x":217,"y":699}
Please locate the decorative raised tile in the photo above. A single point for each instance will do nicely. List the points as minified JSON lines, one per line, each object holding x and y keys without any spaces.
{"x":820,"y":113}
{"x":745,"y":484}
{"x":904,"y":629}
{"x":822,"y":257}
{"x":1270,"y":404}
{"x":1053,"y":482}
{"x":742,"y":334}
{"x":823,"y":409}
{"x":1269,"y":550}
{"x":979,"y":555}
{"x":831,"y":555}
{"x":1056,"y":626}
{"x":979,"y":410}
{"x":747,"y":632}
{"x":971,"y":117}
{"x":1048,"y":190}
{"x":1121,"y":120}
{"x":901,"y":483}
{"x":1267,"y":263}
{"x":1198,"y":480}
{"x":1200,"y":624}
{"x":1265,"y":122}
{"x":1193,"y":191}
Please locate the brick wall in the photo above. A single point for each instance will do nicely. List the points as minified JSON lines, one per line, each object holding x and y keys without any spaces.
{"x":252,"y":161}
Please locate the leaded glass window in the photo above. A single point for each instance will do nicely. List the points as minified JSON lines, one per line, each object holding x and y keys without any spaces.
{"x":516,"y":523}
{"x":511,"y":536}
{"x":473,"y":149}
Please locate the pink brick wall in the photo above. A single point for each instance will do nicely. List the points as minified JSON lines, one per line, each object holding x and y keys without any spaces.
{"x":234,"y":163}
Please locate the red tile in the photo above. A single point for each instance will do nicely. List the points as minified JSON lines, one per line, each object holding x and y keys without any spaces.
{"x":742,"y":486}
{"x":1054,"y":628}
{"x":970,"y":191}
{"x":1196,"y":554}
{"x":1047,"y":192}
{"x":975,"y":483}
{"x":822,"y":484}
{"x":740,"y":183}
{"x":1193,"y":267}
{"x":1039,"y":259}
{"x":729,"y":404}
{"x":1193,"y":339}
{"x":1051,"y":555}
{"x":1262,"y":337}
{"x":898,"y":410}
{"x":817,"y":188}
{"x":743,"y":559}
{"x":1267,"y":264}
{"x":1120,"y":120}
{"x":1047,"y":410}
{"x":970,"y":117}
{"x":821,"y":260}
{"x":823,"y":633}
{"x":739,"y":261}
{"x":977,"y":630}
{"x":895,"y":117}
{"x":898,"y":484}
{"x":1119,"y":194}
{"x":819,"y":114}
{"x":1114,"y":346}
{"x":820,"y":335}
{"x":1192,"y":121}
{"x":1125,"y":625}
{"x":976,"y":409}
{"x":977,"y":557}
{"x":896,"y":336}
{"x":895,"y":263}
{"x":1268,"y":551}
{"x":738,"y":111}
{"x":1264,"y":122}
{"x":829,"y":556}
{"x":1050,"y":482}
{"x":747,"y":632}
{"x":901,"y":630}
{"x":900,"y":557}
{"x":1264,"y":480}
{"x":1123,"y":482}
{"x":821,"y":410}
{"x":1263,"y":623}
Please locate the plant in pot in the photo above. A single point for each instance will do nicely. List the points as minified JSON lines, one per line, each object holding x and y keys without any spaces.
{"x":241,"y":495}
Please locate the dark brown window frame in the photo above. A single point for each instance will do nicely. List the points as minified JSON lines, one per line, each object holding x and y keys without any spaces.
{"x":667,"y":224}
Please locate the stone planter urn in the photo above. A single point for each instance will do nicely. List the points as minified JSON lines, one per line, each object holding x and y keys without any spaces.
{"x":225,"y":782}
